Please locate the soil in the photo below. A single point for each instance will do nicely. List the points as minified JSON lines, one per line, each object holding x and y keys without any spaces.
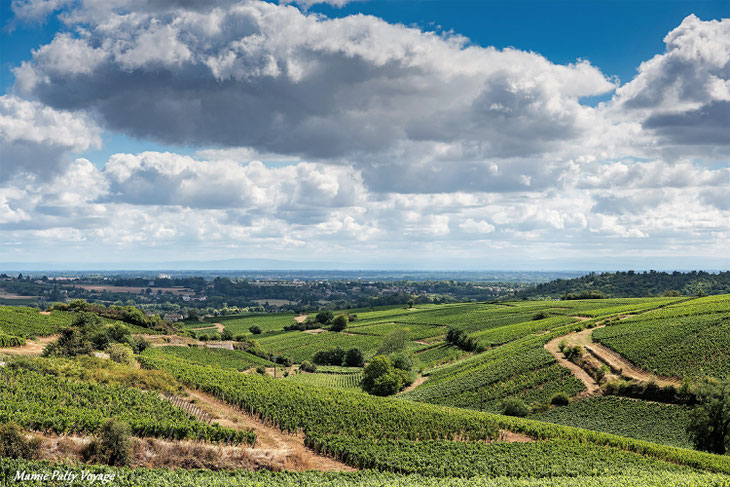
{"x":271,"y":443}
{"x":31,"y":347}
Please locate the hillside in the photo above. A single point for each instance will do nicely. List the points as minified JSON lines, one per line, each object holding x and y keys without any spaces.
{"x":240,"y":409}
{"x":633,"y":284}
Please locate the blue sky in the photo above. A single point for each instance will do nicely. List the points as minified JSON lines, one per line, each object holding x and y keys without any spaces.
{"x":247,"y":129}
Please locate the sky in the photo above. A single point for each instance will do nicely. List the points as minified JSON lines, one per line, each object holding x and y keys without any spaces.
{"x":374,"y":134}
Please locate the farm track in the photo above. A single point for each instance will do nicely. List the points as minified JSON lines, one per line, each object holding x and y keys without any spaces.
{"x":31,"y":347}
{"x":270,"y":442}
{"x":420,"y":380}
{"x":604,"y":354}
{"x":553,"y":346}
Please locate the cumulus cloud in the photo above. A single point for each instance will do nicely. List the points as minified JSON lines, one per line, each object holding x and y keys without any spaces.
{"x":275,"y":79}
{"x":683,"y":94}
{"x":35,"y":140}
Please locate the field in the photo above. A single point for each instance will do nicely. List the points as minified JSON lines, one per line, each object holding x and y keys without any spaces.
{"x":446,"y":431}
{"x":25,"y":322}
{"x":214,"y":357}
{"x":684,"y":340}
{"x":656,"y":422}
{"x":337,"y":381}
{"x":47,"y":403}
{"x":366,"y":478}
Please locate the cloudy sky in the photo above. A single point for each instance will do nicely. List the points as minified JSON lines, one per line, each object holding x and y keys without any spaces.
{"x":373,"y":134}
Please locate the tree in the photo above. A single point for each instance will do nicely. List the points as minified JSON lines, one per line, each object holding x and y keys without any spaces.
{"x":255,"y":329}
{"x":709,"y":425}
{"x":411,"y":302}
{"x":354,"y":358}
{"x":227,"y":335}
{"x":325,"y":317}
{"x":381,"y":378}
{"x":339,"y":323}
{"x":514,"y":406}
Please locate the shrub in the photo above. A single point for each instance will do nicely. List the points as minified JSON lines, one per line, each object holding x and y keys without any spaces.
{"x":513,"y":406}
{"x":560,"y":399}
{"x":381,"y":378}
{"x":339,"y":323}
{"x":112,"y":445}
{"x":307,"y":366}
{"x":203,"y":337}
{"x":354,"y":358}
{"x":14,"y":444}
{"x":261,"y":370}
{"x":122,"y":354}
{"x":402,"y":361}
{"x":709,"y":425}
{"x":325,"y":317}
{"x":227,"y":335}
{"x":255,"y":329}
{"x":333,"y":356}
{"x":540,"y":315}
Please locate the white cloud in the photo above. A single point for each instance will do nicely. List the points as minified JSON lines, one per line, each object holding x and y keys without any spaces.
{"x":35,"y":139}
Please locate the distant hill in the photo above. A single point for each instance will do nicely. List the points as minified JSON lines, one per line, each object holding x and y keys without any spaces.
{"x":633,"y":284}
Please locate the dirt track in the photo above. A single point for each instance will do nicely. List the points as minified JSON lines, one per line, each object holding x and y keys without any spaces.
{"x":605,"y":355}
{"x":31,"y":347}
{"x":271,"y":442}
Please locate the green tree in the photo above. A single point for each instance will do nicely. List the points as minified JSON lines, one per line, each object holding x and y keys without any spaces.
{"x":325,"y":317}
{"x":354,"y":358}
{"x":121,"y":353}
{"x":339,"y":323}
{"x":381,"y":378}
{"x":709,"y":425}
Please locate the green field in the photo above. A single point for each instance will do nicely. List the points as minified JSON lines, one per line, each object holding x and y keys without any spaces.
{"x":214,"y":357}
{"x":690,"y":339}
{"x":656,"y":422}
{"x":338,"y":381}
{"x":26,"y":322}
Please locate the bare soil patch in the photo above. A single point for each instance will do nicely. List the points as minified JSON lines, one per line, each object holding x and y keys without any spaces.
{"x":420,"y":380}
{"x":301,"y":318}
{"x":271,"y":443}
{"x":31,"y":347}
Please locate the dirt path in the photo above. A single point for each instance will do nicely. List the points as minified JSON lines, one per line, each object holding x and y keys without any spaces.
{"x":415,"y":384}
{"x":270,"y":442}
{"x":605,"y":355}
{"x":217,"y":326}
{"x":301,"y":318}
{"x":553,"y":346}
{"x":31,"y":347}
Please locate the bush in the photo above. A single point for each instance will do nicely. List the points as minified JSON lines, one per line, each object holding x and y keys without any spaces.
{"x":14,"y":444}
{"x":354,"y":358}
{"x":339,"y":323}
{"x":709,"y":425}
{"x":255,"y":329}
{"x":307,"y":366}
{"x":325,"y":317}
{"x":395,"y":341}
{"x":540,"y":315}
{"x":203,"y":337}
{"x":112,"y":445}
{"x":402,"y":361}
{"x":513,"y":406}
{"x":121,"y":354}
{"x":381,"y":378}
{"x":227,"y":335}
{"x":261,"y":370}
{"x":560,"y":399}
{"x":333,"y":356}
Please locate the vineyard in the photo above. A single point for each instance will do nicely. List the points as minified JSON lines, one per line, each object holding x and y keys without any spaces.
{"x":684,"y":340}
{"x":27,"y":322}
{"x":214,"y":357}
{"x":558,"y":458}
{"x":320,"y":411}
{"x":337,"y":381}
{"x":46,"y":403}
{"x":655,"y":422}
{"x":140,"y":477}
